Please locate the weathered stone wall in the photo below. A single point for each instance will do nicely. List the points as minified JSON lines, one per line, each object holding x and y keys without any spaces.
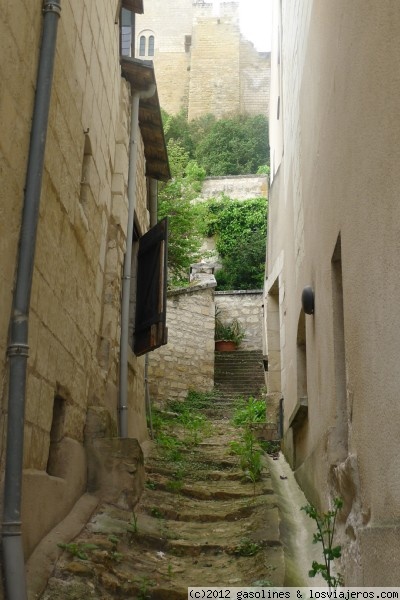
{"x":187,"y":361}
{"x":203,"y":63}
{"x":169,"y":23}
{"x":246,"y":306}
{"x":255,"y":77}
{"x":214,"y":71}
{"x":241,"y":187}
{"x":75,"y":303}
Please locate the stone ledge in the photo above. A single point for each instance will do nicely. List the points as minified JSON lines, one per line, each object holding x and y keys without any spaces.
{"x":300,"y":412}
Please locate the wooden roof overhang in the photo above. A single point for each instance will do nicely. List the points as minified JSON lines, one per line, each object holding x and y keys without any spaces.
{"x":140,"y":75}
{"x":135,"y":6}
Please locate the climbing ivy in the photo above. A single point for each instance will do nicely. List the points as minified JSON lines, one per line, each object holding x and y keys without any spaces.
{"x":240,"y":229}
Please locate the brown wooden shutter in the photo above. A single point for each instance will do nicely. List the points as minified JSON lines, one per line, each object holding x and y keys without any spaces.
{"x":151,"y":299}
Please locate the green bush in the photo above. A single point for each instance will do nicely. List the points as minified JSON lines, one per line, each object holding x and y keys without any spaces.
{"x":240,"y":230}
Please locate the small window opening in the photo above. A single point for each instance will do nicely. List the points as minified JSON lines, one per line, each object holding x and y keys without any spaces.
{"x":54,"y":465}
{"x":188,"y":42}
{"x":151,"y":45}
{"x":85,"y":173}
{"x":142,"y":46}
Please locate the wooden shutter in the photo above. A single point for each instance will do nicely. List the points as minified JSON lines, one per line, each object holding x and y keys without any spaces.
{"x":151,"y":298}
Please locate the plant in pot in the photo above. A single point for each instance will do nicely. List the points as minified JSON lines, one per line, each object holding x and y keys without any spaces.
{"x":228,"y":334}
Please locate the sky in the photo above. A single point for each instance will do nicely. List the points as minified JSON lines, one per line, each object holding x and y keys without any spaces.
{"x":255,"y":22}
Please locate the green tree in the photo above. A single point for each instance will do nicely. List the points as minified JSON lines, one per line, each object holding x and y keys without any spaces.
{"x":236,"y":146}
{"x":240,"y":229}
{"x":177,"y":128}
{"x":175,"y":201}
{"x":232,"y":146}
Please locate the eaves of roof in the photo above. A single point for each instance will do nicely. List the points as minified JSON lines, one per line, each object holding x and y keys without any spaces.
{"x":135,"y":6}
{"x":140,"y":74}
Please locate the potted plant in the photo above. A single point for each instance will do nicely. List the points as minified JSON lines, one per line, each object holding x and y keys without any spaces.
{"x":228,"y":335}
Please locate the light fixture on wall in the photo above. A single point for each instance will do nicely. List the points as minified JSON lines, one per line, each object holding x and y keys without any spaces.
{"x":308,"y":300}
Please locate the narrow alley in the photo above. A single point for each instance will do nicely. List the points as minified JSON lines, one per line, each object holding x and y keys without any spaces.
{"x":201,"y":520}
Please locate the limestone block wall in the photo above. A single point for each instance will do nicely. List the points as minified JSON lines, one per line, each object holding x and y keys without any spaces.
{"x":203,"y":63}
{"x":187,"y":361}
{"x":247,"y":307}
{"x":75,"y":303}
{"x":241,"y":187}
{"x":255,"y":77}
{"x":214,"y":71}
{"x":169,"y":23}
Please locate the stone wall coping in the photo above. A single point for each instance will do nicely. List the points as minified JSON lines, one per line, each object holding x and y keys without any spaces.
{"x":238,"y":292}
{"x":198,"y":287}
{"x":252,"y":176}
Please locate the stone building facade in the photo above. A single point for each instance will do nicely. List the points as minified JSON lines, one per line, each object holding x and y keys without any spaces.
{"x":333,"y":226}
{"x":204,"y":64}
{"x":75,"y":306}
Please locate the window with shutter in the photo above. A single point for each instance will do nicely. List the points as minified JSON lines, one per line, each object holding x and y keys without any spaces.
{"x":151,"y":298}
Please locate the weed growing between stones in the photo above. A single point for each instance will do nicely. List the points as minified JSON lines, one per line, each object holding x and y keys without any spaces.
{"x":79,"y":550}
{"x":145,"y":585}
{"x":247,"y":548}
{"x":249,"y":454}
{"x":326,"y":523}
{"x":186,"y":413}
{"x":156,"y":512}
{"x":246,"y":414}
{"x":174,"y":486}
{"x":133,"y":524}
{"x":271,"y":448}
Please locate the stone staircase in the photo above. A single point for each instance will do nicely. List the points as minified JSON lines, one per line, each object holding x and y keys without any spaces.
{"x":239,"y":373}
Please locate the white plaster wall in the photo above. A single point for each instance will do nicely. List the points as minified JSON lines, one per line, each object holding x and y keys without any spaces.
{"x":339,"y":175}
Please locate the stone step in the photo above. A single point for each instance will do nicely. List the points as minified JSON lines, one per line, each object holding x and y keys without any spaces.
{"x":240,"y":372}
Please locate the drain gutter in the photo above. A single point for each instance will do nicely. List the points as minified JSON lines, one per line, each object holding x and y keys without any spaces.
{"x":126,"y":279}
{"x":13,"y":554}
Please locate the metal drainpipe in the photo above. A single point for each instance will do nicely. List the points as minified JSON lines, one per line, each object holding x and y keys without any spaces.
{"x":153,"y":221}
{"x":13,"y":553}
{"x":126,"y":279}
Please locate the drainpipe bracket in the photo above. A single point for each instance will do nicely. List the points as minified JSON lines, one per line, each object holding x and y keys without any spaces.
{"x":18,"y":350}
{"x":52,"y":6}
{"x":11,"y":528}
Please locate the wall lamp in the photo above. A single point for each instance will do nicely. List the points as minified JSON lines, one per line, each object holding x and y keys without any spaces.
{"x":308,"y":300}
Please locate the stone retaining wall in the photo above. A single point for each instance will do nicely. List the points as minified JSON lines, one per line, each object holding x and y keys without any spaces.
{"x":246,"y":306}
{"x":187,"y":361}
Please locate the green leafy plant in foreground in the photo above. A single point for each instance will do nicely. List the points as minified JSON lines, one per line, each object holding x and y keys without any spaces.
{"x":249,"y":412}
{"x":326,"y":523}
{"x":249,"y":456}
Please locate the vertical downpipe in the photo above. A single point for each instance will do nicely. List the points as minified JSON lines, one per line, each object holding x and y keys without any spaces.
{"x":13,"y":554}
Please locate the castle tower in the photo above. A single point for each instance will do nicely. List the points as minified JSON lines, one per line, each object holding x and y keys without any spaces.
{"x":203,"y":63}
